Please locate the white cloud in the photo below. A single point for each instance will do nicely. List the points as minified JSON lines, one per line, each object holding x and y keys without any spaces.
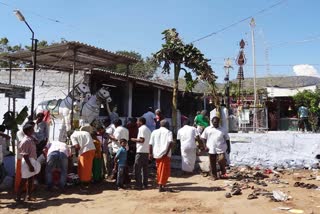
{"x":305,"y":70}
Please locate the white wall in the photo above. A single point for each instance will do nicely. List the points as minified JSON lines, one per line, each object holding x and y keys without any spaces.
{"x":49,"y":85}
{"x":285,"y":149}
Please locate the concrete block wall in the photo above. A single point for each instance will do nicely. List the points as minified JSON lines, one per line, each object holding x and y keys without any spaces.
{"x":49,"y":85}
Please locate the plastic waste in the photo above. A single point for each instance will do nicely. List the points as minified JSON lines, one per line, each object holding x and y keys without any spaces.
{"x":279,"y":196}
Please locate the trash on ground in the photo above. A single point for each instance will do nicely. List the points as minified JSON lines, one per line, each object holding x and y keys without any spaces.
{"x":279,"y":196}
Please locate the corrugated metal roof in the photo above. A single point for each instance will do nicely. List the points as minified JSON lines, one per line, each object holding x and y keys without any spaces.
{"x":144,"y":80}
{"x":158,"y":83}
{"x":62,"y":56}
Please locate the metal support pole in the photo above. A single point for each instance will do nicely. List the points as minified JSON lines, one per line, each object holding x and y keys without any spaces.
{"x":13,"y":137}
{"x":34,"y":76}
{"x":228,"y":90}
{"x":128,"y":92}
{"x":73,"y":86}
{"x":69,"y":79}
{"x":10,"y":77}
{"x":252,"y":24}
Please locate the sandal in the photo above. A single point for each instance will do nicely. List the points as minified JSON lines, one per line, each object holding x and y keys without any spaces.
{"x":30,"y":198}
{"x":252,"y":196}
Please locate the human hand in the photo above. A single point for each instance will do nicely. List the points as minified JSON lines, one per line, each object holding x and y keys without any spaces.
{"x":206,"y":149}
{"x":31,"y":168}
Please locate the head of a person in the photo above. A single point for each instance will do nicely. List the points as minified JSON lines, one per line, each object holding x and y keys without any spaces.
{"x":40,"y":117}
{"x":186,"y":122}
{"x":158,"y":112}
{"x":132,"y":121}
{"x":117,"y":122}
{"x":2,"y":128}
{"x":100,"y":129}
{"x":150,"y":109}
{"x":28,"y":129}
{"x":198,"y":112}
{"x":123,"y":142}
{"x":164,"y":123}
{"x":106,"y":122}
{"x":215,"y":122}
{"x":69,"y":133}
{"x":141,"y":121}
{"x":204,"y":112}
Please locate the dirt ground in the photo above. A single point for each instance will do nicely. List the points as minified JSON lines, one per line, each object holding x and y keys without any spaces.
{"x":192,"y":194}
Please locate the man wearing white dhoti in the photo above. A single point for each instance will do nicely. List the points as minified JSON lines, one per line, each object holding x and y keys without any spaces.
{"x":187,"y":136}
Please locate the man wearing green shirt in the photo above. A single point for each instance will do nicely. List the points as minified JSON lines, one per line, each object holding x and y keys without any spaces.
{"x":201,"y":121}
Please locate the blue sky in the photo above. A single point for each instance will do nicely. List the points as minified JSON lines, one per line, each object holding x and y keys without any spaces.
{"x":289,"y":32}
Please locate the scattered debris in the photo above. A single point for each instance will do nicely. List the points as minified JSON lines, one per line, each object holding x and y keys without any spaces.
{"x":284,"y":208}
{"x":228,"y":195}
{"x":216,"y":189}
{"x":305,"y":185}
{"x":296,"y":211}
{"x":277,"y":195}
{"x":252,"y":196}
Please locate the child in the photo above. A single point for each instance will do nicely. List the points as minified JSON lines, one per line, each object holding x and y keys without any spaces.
{"x":97,"y":160}
{"x":29,"y":166}
{"x":121,"y":160}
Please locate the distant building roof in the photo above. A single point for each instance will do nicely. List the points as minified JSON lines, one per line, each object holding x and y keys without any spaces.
{"x":288,"y":92}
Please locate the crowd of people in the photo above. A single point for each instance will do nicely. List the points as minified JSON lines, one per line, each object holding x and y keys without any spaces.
{"x":116,"y":151}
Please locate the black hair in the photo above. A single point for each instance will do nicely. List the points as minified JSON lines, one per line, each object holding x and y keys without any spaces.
{"x":142,"y":120}
{"x":2,"y":128}
{"x":117,"y":122}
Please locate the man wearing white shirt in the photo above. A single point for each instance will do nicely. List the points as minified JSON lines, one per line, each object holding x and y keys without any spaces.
{"x":217,"y":145}
{"x":82,"y":141}
{"x":120,"y":132}
{"x":57,"y":158}
{"x":160,"y":148}
{"x":187,"y":136}
{"x":142,"y":152}
{"x":150,"y":119}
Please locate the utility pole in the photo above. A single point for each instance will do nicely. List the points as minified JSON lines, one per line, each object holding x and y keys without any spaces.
{"x":253,"y":24}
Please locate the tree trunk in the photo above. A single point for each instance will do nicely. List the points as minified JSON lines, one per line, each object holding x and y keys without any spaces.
{"x":175,"y":97}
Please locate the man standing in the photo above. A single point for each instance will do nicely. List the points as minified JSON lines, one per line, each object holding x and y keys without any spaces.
{"x":217,"y":145}
{"x":57,"y":158}
{"x":303,"y":113}
{"x":160,"y":148}
{"x":150,"y":119}
{"x":187,"y":136}
{"x":82,"y":141}
{"x":29,"y":164}
{"x":107,"y":145}
{"x":119,"y":133}
{"x":141,"y":160}
{"x":201,"y":121}
{"x":41,"y":133}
